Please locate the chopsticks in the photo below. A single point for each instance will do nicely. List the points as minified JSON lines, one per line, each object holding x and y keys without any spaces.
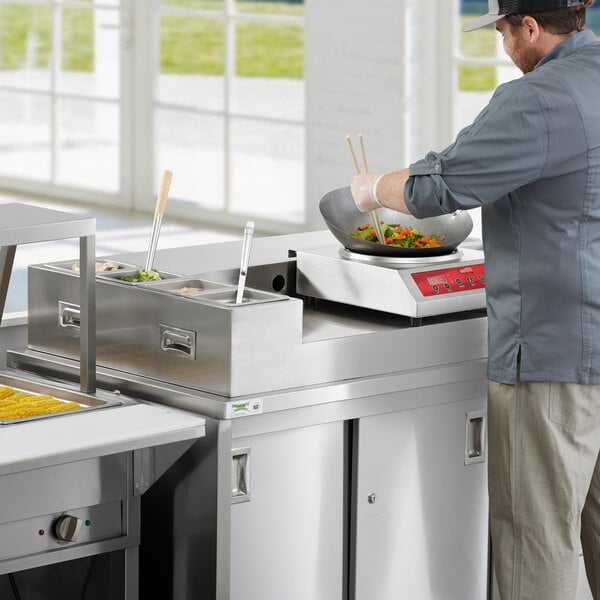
{"x":373,"y":214}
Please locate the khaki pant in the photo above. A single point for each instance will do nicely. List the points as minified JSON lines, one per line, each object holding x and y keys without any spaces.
{"x":544,"y":487}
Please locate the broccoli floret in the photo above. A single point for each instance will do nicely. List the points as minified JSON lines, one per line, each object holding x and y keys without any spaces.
{"x":143,"y":275}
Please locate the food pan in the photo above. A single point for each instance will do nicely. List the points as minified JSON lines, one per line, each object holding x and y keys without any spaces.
{"x":185,"y":287}
{"x":341,"y":216}
{"x":117,"y":276}
{"x":228,"y":297}
{"x":85,"y":402}
{"x":103,"y":265}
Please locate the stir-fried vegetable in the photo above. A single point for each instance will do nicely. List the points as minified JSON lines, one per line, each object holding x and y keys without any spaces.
{"x":396,"y":235}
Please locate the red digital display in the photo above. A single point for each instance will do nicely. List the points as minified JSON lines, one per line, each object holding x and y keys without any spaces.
{"x":452,"y":280}
{"x":437,"y":280}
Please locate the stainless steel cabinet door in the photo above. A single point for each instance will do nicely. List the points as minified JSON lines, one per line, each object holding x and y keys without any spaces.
{"x":421,"y":516}
{"x":287,"y":539}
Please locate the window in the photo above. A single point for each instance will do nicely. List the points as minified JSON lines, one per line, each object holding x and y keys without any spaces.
{"x":482,"y":63}
{"x":229,"y":106}
{"x":96,"y":98}
{"x":60,"y":95}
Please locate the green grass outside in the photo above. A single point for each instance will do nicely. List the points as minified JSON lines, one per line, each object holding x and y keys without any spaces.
{"x":479,"y":43}
{"x":262,"y":50}
{"x":189,"y":44}
{"x":266,"y":50}
{"x":16,"y":22}
{"x":25,"y":33}
{"x":243,"y":6}
{"x":195,"y":45}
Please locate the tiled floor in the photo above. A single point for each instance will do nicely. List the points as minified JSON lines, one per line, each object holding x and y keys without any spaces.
{"x":116,"y":232}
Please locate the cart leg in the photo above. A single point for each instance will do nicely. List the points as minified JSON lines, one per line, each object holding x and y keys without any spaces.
{"x":7,"y":256}
{"x":87,"y":306}
{"x":132,"y":570}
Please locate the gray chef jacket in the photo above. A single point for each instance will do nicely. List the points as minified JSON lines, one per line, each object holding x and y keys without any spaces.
{"x":531,"y":161}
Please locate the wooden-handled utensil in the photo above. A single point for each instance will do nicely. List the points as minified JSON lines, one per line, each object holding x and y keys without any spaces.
{"x":161,"y":202}
{"x":373,"y":214}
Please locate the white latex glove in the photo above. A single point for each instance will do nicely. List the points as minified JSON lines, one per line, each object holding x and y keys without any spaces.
{"x":364,"y":191}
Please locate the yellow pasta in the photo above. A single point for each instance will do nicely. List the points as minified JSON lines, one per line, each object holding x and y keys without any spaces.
{"x":21,"y":405}
{"x":5,"y":392}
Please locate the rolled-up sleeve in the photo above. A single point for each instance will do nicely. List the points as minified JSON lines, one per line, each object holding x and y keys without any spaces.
{"x":505,"y":148}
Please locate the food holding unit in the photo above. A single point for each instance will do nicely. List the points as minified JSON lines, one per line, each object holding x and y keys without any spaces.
{"x":344,"y":454}
{"x":74,"y":460}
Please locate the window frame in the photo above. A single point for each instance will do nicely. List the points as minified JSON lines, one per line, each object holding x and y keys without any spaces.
{"x":146,"y":87}
{"x":51,"y":188}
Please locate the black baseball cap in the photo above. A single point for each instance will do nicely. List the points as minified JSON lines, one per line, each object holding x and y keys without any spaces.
{"x":498,"y":9}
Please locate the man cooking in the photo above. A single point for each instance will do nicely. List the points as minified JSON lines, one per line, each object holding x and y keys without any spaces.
{"x":531,"y":161}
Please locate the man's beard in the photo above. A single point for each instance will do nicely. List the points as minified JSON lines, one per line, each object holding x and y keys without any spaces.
{"x":527,"y":59}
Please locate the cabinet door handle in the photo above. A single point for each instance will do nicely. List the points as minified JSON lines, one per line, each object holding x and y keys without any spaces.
{"x":240,"y":475}
{"x":475,"y":437}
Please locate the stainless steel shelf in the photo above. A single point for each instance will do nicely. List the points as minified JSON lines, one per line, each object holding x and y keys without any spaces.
{"x":26,"y":224}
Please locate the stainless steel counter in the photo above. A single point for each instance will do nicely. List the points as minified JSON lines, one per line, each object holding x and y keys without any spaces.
{"x":344,"y":454}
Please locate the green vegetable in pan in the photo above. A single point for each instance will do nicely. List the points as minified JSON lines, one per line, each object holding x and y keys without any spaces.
{"x":141,"y":276}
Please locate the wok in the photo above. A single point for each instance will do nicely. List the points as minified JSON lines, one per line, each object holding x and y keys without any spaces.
{"x":341,"y":216}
